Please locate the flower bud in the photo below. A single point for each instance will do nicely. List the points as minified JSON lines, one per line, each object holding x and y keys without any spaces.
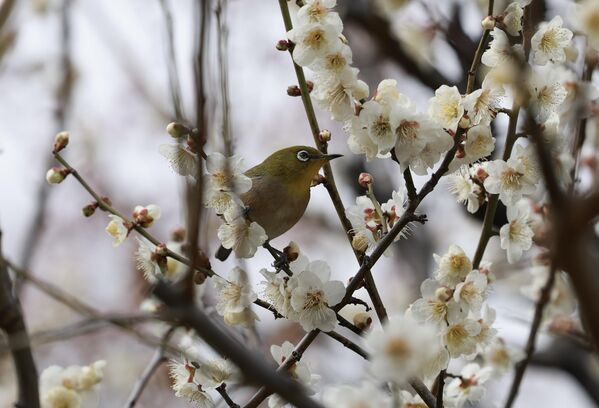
{"x":465,"y":122}
{"x":106,"y":200}
{"x":365,"y":179}
{"x":324,"y":136}
{"x":60,"y":141}
{"x":178,"y":235}
{"x":443,"y":293}
{"x":89,"y":209}
{"x":294,"y":90}
{"x":481,"y":174}
{"x":177,"y":130}
{"x":291,"y":251}
{"x":460,"y":153}
{"x":145,"y":216}
{"x":199,"y":278}
{"x":360,"y":242}
{"x":362,"y":320}
{"x":283,"y":45}
{"x":310,"y":86}
{"x":56,"y":175}
{"x":488,"y":23}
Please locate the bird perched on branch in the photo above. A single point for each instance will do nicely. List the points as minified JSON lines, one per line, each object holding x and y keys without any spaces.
{"x":281,"y":189}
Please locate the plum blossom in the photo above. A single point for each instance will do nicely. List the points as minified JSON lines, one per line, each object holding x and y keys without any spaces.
{"x":145,"y":216}
{"x":516,"y":236}
{"x":470,"y":294}
{"x":336,"y":93}
{"x":512,"y":17}
{"x":234,"y":294}
{"x":509,"y":180}
{"x":181,"y":159}
{"x":465,"y":190}
{"x":452,"y":267}
{"x":314,"y":40}
{"x":71,"y":387}
{"x":483,"y":104}
{"x":313,"y":294}
{"x":500,"y":52}
{"x":460,"y":334}
{"x":547,"y":92}
{"x":118,"y":229}
{"x":225,"y":182}
{"x":401,"y":348}
{"x":243,"y":236}
{"x":446,"y":107}
{"x":366,"y":395}
{"x":317,"y":11}
{"x":469,"y":387}
{"x":500,"y":357}
{"x":550,"y":41}
{"x":432,"y":306}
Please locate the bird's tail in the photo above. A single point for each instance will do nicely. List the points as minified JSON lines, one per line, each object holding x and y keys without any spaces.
{"x":223,"y":253}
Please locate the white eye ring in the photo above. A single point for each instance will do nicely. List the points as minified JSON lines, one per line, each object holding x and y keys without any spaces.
{"x":303,"y":156}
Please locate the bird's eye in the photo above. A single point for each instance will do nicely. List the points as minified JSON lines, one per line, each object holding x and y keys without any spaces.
{"x":303,"y":156}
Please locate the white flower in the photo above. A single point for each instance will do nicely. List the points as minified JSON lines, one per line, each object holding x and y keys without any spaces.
{"x":215,"y":372}
{"x":479,"y":144}
{"x":380,"y":125}
{"x":446,"y":107}
{"x":388,"y":95}
{"x":194,"y":395}
{"x":393,"y":209}
{"x":317,"y":11}
{"x":146,"y":261}
{"x":527,"y":156}
{"x":313,"y":294}
{"x":415,"y":132}
{"x":561,"y":301}
{"x":314,"y":40}
{"x":145,"y":216}
{"x":487,"y":332}
{"x":364,"y":220}
{"x":180,"y":374}
{"x":460,"y":335}
{"x":512,"y":18}
{"x":275,"y":290}
{"x":470,"y":293}
{"x":234,"y":294}
{"x":500,"y":52}
{"x":182,"y":160}
{"x":60,"y":397}
{"x":401,"y":348}
{"x":509,"y":180}
{"x":242,"y":236}
{"x":225,"y":182}
{"x":359,"y":142}
{"x":337,"y":60}
{"x":469,"y":387}
{"x":516,"y":236}
{"x":547,"y":93}
{"x":300,"y":371}
{"x":452,"y":267}
{"x":432,"y":307}
{"x":586,"y":16}
{"x":501,"y":357}
{"x":549,"y":42}
{"x":366,"y":395}
{"x":336,"y":93}
{"x":117,"y":229}
{"x":465,"y":190}
{"x":483,"y":104}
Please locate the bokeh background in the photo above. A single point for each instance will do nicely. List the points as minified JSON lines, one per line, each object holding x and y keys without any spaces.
{"x":116,"y":104}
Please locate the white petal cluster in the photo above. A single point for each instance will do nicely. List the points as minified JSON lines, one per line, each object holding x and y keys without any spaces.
{"x":181,"y":159}
{"x":117,"y":229}
{"x":516,"y":236}
{"x":307,"y":296}
{"x":71,"y":387}
{"x":225,"y":182}
{"x":240,"y":234}
{"x":469,"y":386}
{"x":550,"y":41}
{"x":234,"y":297}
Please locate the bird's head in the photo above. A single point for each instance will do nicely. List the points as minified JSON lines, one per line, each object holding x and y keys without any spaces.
{"x":297,"y":164}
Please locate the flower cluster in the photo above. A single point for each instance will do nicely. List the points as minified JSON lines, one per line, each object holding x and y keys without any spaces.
{"x":71,"y":387}
{"x":307,"y":296}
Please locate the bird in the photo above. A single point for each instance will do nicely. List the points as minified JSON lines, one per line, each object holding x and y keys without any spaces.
{"x":280,"y":189}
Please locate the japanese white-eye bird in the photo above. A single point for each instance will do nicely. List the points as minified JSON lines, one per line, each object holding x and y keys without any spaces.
{"x":281,"y":189}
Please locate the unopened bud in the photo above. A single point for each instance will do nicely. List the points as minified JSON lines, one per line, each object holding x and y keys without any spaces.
{"x":362,"y":320}
{"x":56,"y":175}
{"x":145,"y":216}
{"x":488,"y":23}
{"x":310,"y":86}
{"x":60,"y":141}
{"x":481,"y":174}
{"x":177,"y":130}
{"x":89,"y":209}
{"x":294,"y":90}
{"x":360,"y":242}
{"x":443,"y":294}
{"x":324,"y":136}
{"x":161,"y":250}
{"x":460,"y":153}
{"x":178,"y":235}
{"x":465,"y":122}
{"x":364,"y":179}
{"x":291,"y":251}
{"x":199,"y":278}
{"x":283,"y":45}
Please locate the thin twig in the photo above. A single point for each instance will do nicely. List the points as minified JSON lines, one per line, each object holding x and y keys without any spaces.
{"x":171,"y":62}
{"x":222,"y":390}
{"x":544,"y":299}
{"x":12,"y":323}
{"x":156,"y":361}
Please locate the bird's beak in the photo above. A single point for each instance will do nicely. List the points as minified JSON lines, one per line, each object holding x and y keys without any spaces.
{"x":327,"y":157}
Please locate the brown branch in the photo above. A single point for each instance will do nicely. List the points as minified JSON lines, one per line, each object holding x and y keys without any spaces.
{"x":156,"y":361}
{"x":171,"y":62}
{"x":348,"y":343}
{"x":544,"y":299}
{"x":222,"y":390}
{"x":12,"y":323}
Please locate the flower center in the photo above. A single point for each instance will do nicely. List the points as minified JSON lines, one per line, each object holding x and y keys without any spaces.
{"x":407,"y":131}
{"x":549,"y":41}
{"x":511,"y":178}
{"x":336,"y":62}
{"x":398,"y":348}
{"x":315,"y":38}
{"x":381,"y":127}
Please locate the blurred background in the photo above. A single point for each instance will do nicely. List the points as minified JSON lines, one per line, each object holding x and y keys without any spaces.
{"x":100,"y":69}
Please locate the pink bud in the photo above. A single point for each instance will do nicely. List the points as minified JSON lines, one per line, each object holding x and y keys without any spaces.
{"x":365,"y":179}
